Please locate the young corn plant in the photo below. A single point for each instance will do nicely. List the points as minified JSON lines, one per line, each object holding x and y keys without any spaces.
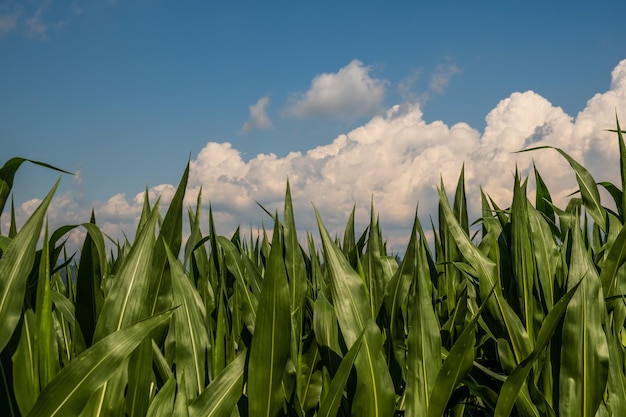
{"x":525,"y":317}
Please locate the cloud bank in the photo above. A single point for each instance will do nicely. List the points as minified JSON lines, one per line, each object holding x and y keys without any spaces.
{"x":397,"y":160}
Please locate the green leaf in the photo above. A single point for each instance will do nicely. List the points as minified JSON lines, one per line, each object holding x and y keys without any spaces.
{"x":330,"y":406}
{"x":522,"y":256}
{"x":543,"y":200}
{"x":170,"y":235}
{"x":272,"y":336}
{"x":456,"y":366}
{"x":92,"y":268}
{"x":515,"y":381}
{"x":424,"y":339}
{"x":127,"y":298}
{"x":222,"y":394}
{"x":374,"y":395}
{"x":140,"y":377}
{"x":584,"y":348}
{"x":588,"y":187}
{"x":188,"y":324}
{"x":615,"y":258}
{"x":7,"y":175}
{"x":15,"y":265}
{"x":25,"y":365}
{"x":47,"y":354}
{"x":297,"y":275}
{"x":70,"y":389}
{"x":163,"y":403}
{"x":502,"y":320}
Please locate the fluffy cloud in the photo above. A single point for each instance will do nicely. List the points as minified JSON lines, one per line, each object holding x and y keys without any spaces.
{"x":396,"y":160}
{"x":346,"y":94}
{"x":258,"y":116}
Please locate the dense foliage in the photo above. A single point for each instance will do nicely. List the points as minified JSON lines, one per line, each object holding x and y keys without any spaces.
{"x":525,"y":317}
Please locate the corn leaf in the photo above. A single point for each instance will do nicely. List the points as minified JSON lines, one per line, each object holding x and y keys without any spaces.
{"x":588,"y":187}
{"x":70,"y":389}
{"x":272,"y":336}
{"x":584,"y":348}
{"x":374,"y":395}
{"x":192,"y":340}
{"x":25,"y":365}
{"x":330,"y":406}
{"x":15,"y":265}
{"x":222,"y":394}
{"x":514,"y":382}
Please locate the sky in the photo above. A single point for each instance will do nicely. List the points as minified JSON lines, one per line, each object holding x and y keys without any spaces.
{"x":353,"y":102}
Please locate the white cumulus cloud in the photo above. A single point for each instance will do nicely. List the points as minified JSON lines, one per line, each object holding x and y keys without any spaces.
{"x":258,"y":116}
{"x":349,"y":93}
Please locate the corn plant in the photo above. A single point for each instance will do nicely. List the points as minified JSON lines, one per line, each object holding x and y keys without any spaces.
{"x":524,"y":316}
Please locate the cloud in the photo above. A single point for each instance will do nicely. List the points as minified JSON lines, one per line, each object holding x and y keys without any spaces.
{"x":440,"y":78}
{"x":396,"y":159}
{"x":36,"y":25}
{"x":346,"y":94}
{"x":35,"y":19}
{"x":8,"y":20}
{"x":258,"y":116}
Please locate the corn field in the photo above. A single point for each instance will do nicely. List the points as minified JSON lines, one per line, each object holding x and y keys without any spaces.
{"x":524,"y":317}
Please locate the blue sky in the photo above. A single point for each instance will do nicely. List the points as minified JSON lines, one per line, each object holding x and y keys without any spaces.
{"x":126,"y":92}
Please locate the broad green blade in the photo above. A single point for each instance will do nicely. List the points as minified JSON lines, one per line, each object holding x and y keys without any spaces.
{"x":456,"y":366}
{"x":15,"y":265}
{"x":616,"y":194}
{"x":424,"y":338}
{"x":127,"y":298}
{"x":140,"y":377}
{"x":309,"y":382}
{"x":503,"y":321}
{"x":92,"y":268}
{"x":297,"y":275}
{"x":330,"y":406}
{"x":546,"y":254}
{"x":613,"y":262}
{"x":46,"y":349}
{"x":450,"y":276}
{"x":188,"y":324}
{"x":349,"y":237}
{"x":617,"y":380}
{"x":374,"y":395}
{"x":543,"y":200}
{"x":180,"y":403}
{"x":588,"y":187}
{"x":163,"y":403}
{"x":372,"y":261}
{"x":70,"y":389}
{"x":522,"y":257}
{"x":126,"y":303}
{"x":272,"y":336}
{"x":221,"y":396}
{"x":397,"y":301}
{"x":515,"y":381}
{"x":170,"y":235}
{"x":584,"y":348}
{"x":7,"y":175}
{"x":622,"y":165}
{"x":326,"y":333}
{"x":235,"y":265}
{"x":25,"y":366}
